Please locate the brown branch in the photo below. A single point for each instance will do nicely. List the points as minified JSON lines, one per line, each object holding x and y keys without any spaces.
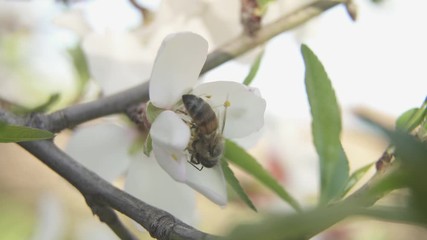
{"x":118,"y":103}
{"x":101,"y":196}
{"x":109,"y":217}
{"x":244,"y":43}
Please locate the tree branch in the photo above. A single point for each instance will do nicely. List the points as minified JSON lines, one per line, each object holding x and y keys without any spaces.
{"x":244,"y":43}
{"x":118,"y":103}
{"x":101,"y":196}
{"x":109,"y":217}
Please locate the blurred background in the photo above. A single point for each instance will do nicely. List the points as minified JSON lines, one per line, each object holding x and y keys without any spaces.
{"x":57,"y":53}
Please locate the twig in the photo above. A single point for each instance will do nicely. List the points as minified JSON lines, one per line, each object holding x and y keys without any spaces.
{"x":118,"y":103}
{"x":109,"y":217}
{"x":244,"y":43}
{"x":99,"y":193}
{"x":101,"y":196}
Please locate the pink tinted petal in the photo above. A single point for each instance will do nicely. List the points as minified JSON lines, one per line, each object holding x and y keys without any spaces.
{"x":103,"y":148}
{"x":177,"y":67}
{"x":150,"y":183}
{"x":210,"y":182}
{"x":245,"y":114}
{"x":170,"y":137}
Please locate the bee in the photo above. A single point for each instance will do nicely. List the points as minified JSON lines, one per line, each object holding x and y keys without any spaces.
{"x":207,"y":143}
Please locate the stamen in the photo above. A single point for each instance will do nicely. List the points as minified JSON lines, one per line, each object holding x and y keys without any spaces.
{"x":227,"y":103}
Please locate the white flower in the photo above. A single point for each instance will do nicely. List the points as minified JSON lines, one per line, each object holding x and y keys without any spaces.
{"x":104,"y":147}
{"x":175,"y":72}
{"x":33,"y":60}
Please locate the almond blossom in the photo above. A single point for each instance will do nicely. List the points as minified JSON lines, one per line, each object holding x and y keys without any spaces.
{"x":175,"y":73}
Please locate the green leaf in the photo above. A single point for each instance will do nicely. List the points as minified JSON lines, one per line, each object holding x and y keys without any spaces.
{"x":355,"y":177}
{"x":326,"y":128}
{"x":392,"y":214}
{"x":152,"y":112}
{"x":254,"y":69}
{"x":264,"y":3}
{"x":148,"y":145}
{"x":412,"y":154}
{"x":81,"y":66}
{"x":412,"y":118}
{"x":292,"y":226}
{"x":234,"y":183}
{"x":12,"y":133}
{"x":238,"y":156}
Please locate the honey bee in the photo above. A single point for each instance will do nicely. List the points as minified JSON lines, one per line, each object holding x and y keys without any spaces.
{"x":207,"y":144}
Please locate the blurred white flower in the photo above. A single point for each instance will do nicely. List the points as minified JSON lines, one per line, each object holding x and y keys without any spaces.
{"x":51,"y":218}
{"x":33,"y":54}
{"x":175,"y":72}
{"x":105,"y":147}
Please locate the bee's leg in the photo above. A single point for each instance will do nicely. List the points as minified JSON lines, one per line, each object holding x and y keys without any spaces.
{"x":194,"y":162}
{"x":195,"y":166}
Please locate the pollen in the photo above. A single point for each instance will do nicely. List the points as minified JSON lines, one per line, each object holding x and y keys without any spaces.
{"x":174,"y":157}
{"x":227,"y":104}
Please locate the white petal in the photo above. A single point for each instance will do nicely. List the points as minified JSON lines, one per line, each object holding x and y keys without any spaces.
{"x":116,"y":15}
{"x":173,"y":162}
{"x":177,"y":67}
{"x":73,"y":20}
{"x":169,"y":130}
{"x":102,"y":148}
{"x":116,"y":61}
{"x":148,"y":182}
{"x":245,"y":114}
{"x":210,"y":182}
{"x":50,"y":224}
{"x":93,"y":229}
{"x":170,"y":137}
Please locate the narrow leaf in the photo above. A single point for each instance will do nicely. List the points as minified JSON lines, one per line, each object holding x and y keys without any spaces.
{"x":254,"y":69}
{"x":245,"y":161}
{"x":152,"y":112}
{"x":355,"y":177}
{"x":326,"y":128}
{"x":81,"y":65}
{"x":412,"y":118}
{"x":412,"y":154}
{"x":263,"y":3}
{"x":148,"y":145}
{"x":12,"y":133}
{"x":292,"y":226}
{"x":234,"y":183}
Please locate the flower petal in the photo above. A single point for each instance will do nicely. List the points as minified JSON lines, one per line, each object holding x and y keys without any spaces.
{"x":116,"y":61}
{"x":177,"y":67}
{"x":170,"y":137}
{"x":148,"y":182}
{"x":50,"y":224}
{"x":103,"y":148}
{"x":245,"y":114}
{"x":210,"y":182}
{"x":173,"y":162}
{"x":73,"y":20}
